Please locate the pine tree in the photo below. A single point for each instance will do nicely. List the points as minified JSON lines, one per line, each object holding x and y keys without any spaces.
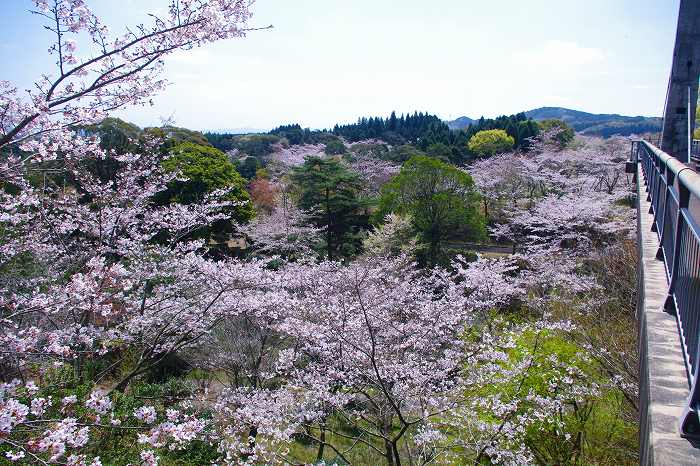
{"x":329,"y":193}
{"x":392,"y":121}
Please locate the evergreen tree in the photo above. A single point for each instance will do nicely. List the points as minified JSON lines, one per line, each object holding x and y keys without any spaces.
{"x":329,"y":193}
{"x":411,"y":129}
{"x":392,"y":122}
{"x":247,"y":166}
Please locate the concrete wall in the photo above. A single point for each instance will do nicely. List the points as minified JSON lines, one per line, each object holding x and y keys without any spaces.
{"x":684,"y":76}
{"x":663,"y":381}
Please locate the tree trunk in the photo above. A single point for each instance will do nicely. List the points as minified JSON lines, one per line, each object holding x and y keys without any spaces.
{"x":121,"y":386}
{"x":388,"y":447}
{"x":434,"y":252}
{"x":322,"y":444}
{"x":252,"y":435}
{"x":78,"y":368}
{"x":389,"y":453}
{"x":397,"y":457}
{"x":328,"y":225}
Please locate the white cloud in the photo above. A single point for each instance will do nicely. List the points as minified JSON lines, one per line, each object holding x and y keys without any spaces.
{"x":557,"y":54}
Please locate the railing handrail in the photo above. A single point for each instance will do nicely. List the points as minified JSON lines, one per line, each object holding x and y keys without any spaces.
{"x":694,"y":146}
{"x":672,"y":188}
{"x":690,"y":178}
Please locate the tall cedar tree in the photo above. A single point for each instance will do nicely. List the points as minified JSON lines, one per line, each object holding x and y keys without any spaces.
{"x":329,"y":192}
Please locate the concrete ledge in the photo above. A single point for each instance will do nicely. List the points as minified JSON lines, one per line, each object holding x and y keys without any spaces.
{"x":663,"y":381}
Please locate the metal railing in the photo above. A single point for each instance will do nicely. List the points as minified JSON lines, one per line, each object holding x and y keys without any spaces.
{"x":655,"y":140}
{"x":674,"y":193}
{"x":695,"y":151}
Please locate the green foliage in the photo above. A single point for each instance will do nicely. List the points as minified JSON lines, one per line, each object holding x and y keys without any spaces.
{"x":335,"y":147}
{"x":247,"y":166}
{"x":262,"y":174}
{"x":420,"y":130}
{"x":586,"y":426}
{"x":491,"y":142}
{"x":402,"y":153}
{"x":329,"y":192}
{"x":256,"y":145}
{"x":563,"y":133}
{"x":439,"y":151}
{"x":394,"y":130}
{"x":122,"y":137}
{"x":441,"y":199}
{"x":590,"y":429}
{"x":173,"y":136}
{"x":222,"y":141}
{"x":294,"y":134}
{"x":518,"y":126}
{"x":206,"y":169}
{"x":523,"y":132}
{"x":118,"y":445}
{"x":117,"y":135}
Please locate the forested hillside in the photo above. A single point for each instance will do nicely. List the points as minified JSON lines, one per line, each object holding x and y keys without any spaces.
{"x":394,"y":138}
{"x":603,"y":125}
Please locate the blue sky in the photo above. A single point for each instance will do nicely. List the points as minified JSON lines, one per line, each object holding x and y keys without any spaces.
{"x":329,"y":61}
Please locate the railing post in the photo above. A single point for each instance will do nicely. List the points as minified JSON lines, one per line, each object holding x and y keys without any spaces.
{"x":690,"y":423}
{"x":683,"y":202}
{"x":661,"y":214}
{"x":658,"y":176}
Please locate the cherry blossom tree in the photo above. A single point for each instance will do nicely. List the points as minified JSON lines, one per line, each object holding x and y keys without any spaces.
{"x":366,"y":346}
{"x":529,"y":386}
{"x":111,"y":274}
{"x":548,"y":192}
{"x":109,"y":72}
{"x":395,"y":236}
{"x":373,"y":171}
{"x":286,"y":232}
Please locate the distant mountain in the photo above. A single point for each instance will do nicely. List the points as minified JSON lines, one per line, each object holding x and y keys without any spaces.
{"x":460,"y":123}
{"x":603,"y":124}
{"x":592,"y":124}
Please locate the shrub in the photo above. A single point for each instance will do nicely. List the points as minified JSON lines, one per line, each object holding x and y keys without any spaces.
{"x":490,"y":142}
{"x":335,"y":147}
